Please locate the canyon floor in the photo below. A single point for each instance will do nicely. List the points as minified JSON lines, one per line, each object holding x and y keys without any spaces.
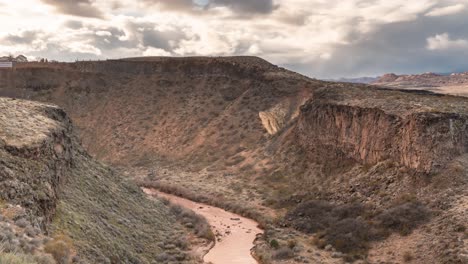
{"x":235,"y":235}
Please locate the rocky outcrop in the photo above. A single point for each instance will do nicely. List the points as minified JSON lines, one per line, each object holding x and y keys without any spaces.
{"x":277,"y":117}
{"x":423,"y":141}
{"x":35,"y":155}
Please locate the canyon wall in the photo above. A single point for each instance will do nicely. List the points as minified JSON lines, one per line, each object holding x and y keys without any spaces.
{"x":63,"y":191}
{"x":205,"y":110}
{"x":35,"y":151}
{"x":423,"y":141}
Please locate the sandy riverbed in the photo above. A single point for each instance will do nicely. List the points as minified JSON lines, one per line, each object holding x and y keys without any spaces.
{"x":235,"y":234}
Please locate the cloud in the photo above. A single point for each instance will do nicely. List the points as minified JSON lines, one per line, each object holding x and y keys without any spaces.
{"x":103,"y":33}
{"x":320,"y":38}
{"x":82,"y":8}
{"x":237,"y":6}
{"x":73,"y":24}
{"x":155,"y":52}
{"x":150,"y":35}
{"x":396,"y":47}
{"x":177,"y":5}
{"x":444,"y":42}
{"x":247,"y":6}
{"x":25,"y":37}
{"x":447,"y":10}
{"x":165,"y":40}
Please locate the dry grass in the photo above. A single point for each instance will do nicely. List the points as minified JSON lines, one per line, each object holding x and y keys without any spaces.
{"x":194,"y":221}
{"x":213,"y":201}
{"x":61,"y":248}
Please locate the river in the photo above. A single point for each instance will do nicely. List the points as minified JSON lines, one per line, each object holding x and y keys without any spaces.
{"x":236,"y":234}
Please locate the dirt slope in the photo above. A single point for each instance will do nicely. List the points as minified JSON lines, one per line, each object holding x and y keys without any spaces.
{"x":51,"y":187}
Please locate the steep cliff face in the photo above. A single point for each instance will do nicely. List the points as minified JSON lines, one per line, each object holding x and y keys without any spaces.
{"x":35,"y":149}
{"x":424,"y":140}
{"x":58,"y":187}
{"x":285,"y":112}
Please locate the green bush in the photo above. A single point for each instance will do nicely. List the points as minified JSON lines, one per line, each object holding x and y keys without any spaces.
{"x":274,"y":244}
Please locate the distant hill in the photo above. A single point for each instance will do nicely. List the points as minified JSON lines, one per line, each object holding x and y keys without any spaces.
{"x":365,"y":80}
{"x":454,"y":83}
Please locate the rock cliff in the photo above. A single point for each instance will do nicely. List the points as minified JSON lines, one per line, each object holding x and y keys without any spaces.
{"x":423,"y":140}
{"x":35,"y":147}
{"x":49,"y":185}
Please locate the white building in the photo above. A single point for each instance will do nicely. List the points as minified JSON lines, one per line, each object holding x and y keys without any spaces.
{"x":6,"y":64}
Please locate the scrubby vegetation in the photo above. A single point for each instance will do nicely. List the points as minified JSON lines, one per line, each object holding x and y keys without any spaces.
{"x":350,"y":227}
{"x":20,"y":243}
{"x":192,"y":220}
{"x":227,"y":205}
{"x":61,"y":248}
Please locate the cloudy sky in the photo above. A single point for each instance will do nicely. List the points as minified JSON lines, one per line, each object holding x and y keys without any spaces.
{"x":319,"y":38}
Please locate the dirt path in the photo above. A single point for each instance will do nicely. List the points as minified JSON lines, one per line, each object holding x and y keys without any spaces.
{"x":235,"y":234}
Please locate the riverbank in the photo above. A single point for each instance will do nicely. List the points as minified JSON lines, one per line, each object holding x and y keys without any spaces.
{"x":235,"y":234}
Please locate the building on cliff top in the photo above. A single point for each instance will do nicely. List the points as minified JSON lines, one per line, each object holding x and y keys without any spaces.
{"x":6,"y":65}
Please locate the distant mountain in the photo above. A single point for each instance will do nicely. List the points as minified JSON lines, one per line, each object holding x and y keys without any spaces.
{"x":453,"y":83}
{"x":356,"y":80}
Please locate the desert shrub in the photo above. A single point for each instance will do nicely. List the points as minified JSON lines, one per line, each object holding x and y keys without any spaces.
{"x":311,"y":216}
{"x":403,"y":218}
{"x":283,"y":253}
{"x":407,"y":256}
{"x":61,"y":248}
{"x":274,"y":244}
{"x":292,"y":244}
{"x":349,"y":235}
{"x":349,"y":228}
{"x":163,"y":257}
{"x":191,"y":219}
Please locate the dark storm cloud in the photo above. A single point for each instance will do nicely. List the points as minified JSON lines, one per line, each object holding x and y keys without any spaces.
{"x":83,"y":8}
{"x":248,"y":6}
{"x":397,"y":47}
{"x":73,"y":24}
{"x":107,"y":42}
{"x":167,"y":40}
{"x":26,"y":37}
{"x":238,"y":6}
{"x":162,"y":39}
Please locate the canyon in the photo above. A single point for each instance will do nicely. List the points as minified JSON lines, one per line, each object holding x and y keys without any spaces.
{"x":261,"y":141}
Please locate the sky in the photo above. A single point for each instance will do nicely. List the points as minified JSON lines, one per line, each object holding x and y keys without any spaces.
{"x":318,"y":38}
